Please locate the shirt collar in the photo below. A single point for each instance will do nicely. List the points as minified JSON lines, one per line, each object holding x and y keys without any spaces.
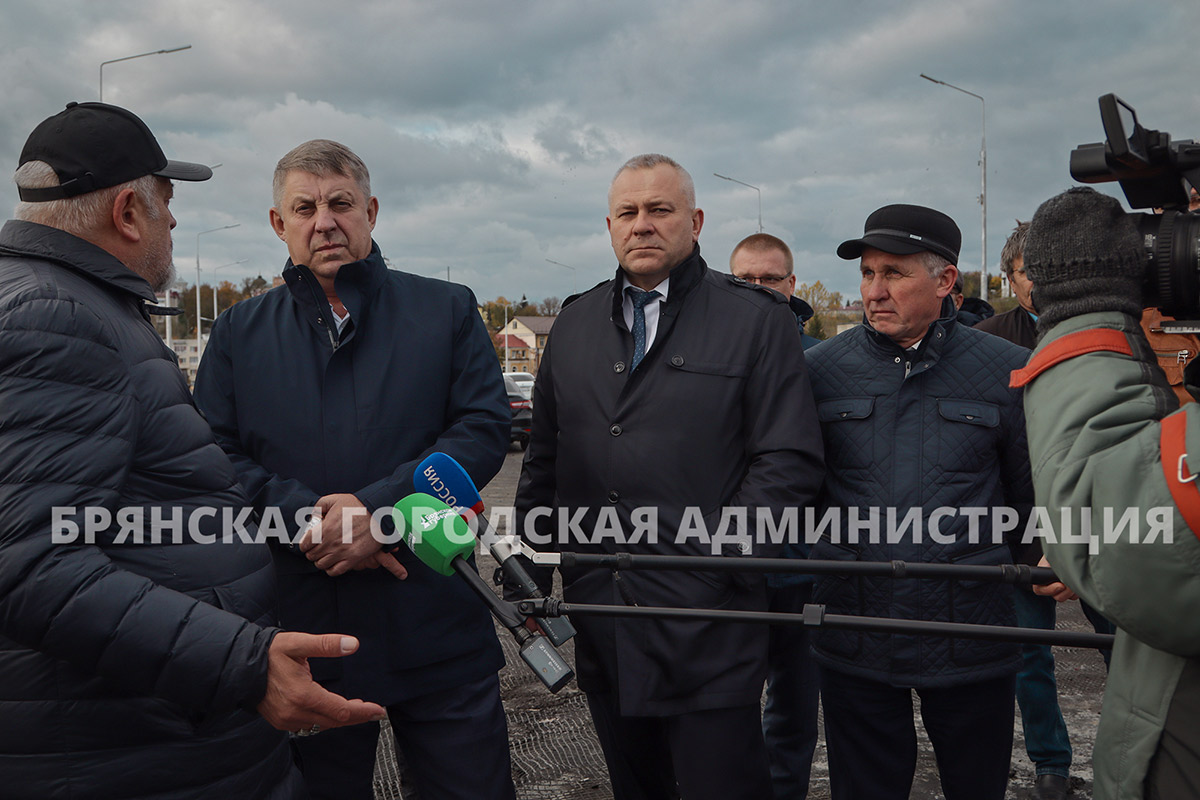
{"x":662,"y":288}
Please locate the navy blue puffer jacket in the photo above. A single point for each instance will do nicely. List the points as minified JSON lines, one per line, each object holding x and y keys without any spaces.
{"x":127,"y":668}
{"x":946,"y":437}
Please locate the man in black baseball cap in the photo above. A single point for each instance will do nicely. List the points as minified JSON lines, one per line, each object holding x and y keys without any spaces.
{"x":141,"y":661}
{"x":93,"y":164}
{"x":94,"y":146}
{"x":917,"y":418}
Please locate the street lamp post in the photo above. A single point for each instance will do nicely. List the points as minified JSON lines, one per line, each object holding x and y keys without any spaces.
{"x":983,"y":282}
{"x":167,"y":319}
{"x":574,"y":275}
{"x":129,"y":58}
{"x":223,"y":266}
{"x":755,"y":188}
{"x":198,"y":325}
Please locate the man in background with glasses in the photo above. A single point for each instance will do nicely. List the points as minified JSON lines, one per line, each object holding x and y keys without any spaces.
{"x":790,"y":715}
{"x":766,"y":260}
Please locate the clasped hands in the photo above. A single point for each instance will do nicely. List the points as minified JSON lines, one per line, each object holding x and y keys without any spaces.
{"x":339,"y":539}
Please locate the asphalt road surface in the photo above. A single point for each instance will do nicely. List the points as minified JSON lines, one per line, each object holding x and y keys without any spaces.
{"x":556,"y":756}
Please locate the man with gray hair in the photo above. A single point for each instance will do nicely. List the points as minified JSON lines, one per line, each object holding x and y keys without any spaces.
{"x":678,"y":392}
{"x":369,"y":399}
{"x":136,"y":644}
{"x":917,"y":418}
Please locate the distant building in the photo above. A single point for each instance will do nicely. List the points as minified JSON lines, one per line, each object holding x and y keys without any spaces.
{"x":532,"y":333}
{"x":519,"y":355}
{"x":189,"y":358}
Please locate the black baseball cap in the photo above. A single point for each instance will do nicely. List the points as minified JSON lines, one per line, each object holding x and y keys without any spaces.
{"x":903,"y":229}
{"x":93,"y":146}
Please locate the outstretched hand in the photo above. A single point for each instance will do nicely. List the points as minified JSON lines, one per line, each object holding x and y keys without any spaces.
{"x":294,"y":701}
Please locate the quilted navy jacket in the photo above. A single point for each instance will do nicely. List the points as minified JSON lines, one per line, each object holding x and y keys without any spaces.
{"x":949,"y":435}
{"x":303,"y":413}
{"x":127,"y":668}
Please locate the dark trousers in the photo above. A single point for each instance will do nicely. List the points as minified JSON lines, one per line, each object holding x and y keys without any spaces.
{"x":455,"y":743}
{"x":1046,"y":739}
{"x":789,"y":718}
{"x":701,"y":755}
{"x":872,"y":741}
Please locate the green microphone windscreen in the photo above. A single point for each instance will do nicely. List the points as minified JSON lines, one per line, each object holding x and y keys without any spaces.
{"x":433,"y":531}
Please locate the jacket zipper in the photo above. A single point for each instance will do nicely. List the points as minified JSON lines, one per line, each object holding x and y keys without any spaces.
{"x":320,"y":301}
{"x":1180,"y":356}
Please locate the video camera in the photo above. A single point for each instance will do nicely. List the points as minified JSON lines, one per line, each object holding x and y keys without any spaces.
{"x":1152,"y":171}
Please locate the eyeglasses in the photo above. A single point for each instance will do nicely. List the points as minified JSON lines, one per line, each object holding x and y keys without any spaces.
{"x":767,"y":279}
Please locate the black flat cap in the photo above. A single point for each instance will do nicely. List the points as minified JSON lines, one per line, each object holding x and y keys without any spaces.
{"x":903,"y":230}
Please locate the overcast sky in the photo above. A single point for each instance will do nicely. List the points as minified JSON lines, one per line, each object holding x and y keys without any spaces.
{"x":492,"y":129}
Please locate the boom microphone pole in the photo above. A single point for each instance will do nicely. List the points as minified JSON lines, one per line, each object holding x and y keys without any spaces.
{"x":814,"y":616}
{"x":1019,"y":574}
{"x":445,"y":478}
{"x":441,"y":539}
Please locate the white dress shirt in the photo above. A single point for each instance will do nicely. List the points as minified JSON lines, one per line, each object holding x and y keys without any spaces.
{"x":651,"y":308}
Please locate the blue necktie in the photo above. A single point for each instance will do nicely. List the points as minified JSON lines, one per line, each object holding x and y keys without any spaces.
{"x":639,"y":298}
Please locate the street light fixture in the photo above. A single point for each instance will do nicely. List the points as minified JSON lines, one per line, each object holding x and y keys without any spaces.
{"x":755,"y":188}
{"x":198,"y":326}
{"x":129,"y":58}
{"x":983,"y":283}
{"x":574,"y":275}
{"x":223,"y":266}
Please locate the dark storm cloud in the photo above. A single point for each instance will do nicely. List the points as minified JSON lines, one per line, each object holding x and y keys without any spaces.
{"x":492,"y":129}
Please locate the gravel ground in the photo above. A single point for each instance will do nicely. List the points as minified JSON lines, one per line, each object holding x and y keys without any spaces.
{"x":556,"y":756}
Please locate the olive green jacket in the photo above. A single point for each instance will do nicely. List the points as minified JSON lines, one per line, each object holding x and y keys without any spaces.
{"x":1094,"y":443}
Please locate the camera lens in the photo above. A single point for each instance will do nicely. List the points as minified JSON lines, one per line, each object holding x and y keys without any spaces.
{"x":1172,"y":278}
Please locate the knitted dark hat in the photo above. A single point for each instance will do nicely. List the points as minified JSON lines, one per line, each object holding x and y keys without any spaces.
{"x":1083,"y":254}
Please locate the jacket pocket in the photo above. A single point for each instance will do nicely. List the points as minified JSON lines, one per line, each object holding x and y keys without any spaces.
{"x":721,"y":368}
{"x":849,"y":430}
{"x":840,"y":594}
{"x":981,"y":603}
{"x":697,"y":391}
{"x":969,"y":445}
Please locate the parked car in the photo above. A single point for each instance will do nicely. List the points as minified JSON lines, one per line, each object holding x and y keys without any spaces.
{"x":522,"y":412}
{"x":524,"y":382}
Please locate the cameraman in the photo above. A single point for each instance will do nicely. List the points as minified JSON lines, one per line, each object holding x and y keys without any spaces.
{"x":1105,"y":430}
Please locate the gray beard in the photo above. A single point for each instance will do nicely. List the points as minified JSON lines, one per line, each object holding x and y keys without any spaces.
{"x":157,"y":268}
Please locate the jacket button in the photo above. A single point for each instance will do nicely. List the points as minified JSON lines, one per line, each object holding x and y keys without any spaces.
{"x":619,"y":366}
{"x":677,"y":361}
{"x":615,"y":430}
{"x":897,"y":359}
{"x":614,"y":496}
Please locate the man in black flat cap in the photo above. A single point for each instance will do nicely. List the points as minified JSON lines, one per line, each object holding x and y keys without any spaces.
{"x":138,"y":652}
{"x":921,"y":431}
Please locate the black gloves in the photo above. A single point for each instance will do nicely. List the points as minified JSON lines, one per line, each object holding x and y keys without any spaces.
{"x":1083,"y":254}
